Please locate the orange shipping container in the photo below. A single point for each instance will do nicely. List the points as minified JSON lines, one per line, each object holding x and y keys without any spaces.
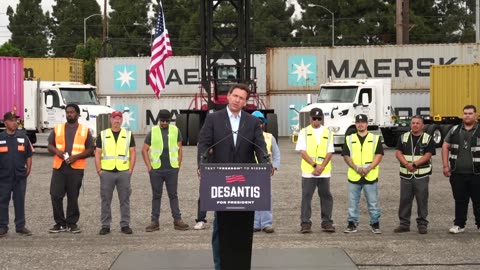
{"x":452,"y":87}
{"x":53,"y":69}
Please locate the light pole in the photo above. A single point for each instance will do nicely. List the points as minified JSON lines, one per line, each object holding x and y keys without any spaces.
{"x":85,"y":28}
{"x":149,"y":30}
{"x":333,"y":21}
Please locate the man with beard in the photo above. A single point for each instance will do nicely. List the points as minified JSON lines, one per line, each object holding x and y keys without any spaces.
{"x":71,"y":143}
{"x":461,"y":162}
{"x":414,"y":152}
{"x":115,"y":157}
{"x":363,"y":152}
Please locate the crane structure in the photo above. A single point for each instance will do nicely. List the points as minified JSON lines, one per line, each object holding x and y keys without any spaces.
{"x":226,"y":59}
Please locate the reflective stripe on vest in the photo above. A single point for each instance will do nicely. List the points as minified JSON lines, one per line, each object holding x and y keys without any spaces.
{"x":362,"y":158}
{"x":422,"y":170}
{"x":77,"y":147}
{"x":316,"y":151}
{"x":156,"y":147}
{"x":115,"y":154}
{"x":268,"y":140}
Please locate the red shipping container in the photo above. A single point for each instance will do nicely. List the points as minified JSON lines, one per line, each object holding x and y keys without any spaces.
{"x":11,"y":85}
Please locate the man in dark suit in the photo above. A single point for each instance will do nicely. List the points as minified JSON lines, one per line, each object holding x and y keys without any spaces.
{"x":233,"y":136}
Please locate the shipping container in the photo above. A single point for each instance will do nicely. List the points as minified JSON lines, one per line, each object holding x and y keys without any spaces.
{"x":303,"y":69}
{"x":453,"y":87}
{"x":53,"y":69}
{"x":128,"y":76}
{"x":11,"y":85}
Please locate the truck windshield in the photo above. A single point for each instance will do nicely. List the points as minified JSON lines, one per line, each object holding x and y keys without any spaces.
{"x":337,"y":94}
{"x":79,"y":96}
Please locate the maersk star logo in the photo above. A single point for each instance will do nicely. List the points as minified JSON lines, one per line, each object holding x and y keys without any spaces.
{"x":302,"y":70}
{"x":125,"y":78}
{"x":130,"y":116}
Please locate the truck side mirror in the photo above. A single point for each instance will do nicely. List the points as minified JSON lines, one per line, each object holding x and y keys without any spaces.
{"x":292,"y":107}
{"x":49,"y":101}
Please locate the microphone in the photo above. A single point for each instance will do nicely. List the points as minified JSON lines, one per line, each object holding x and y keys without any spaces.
{"x":204,"y":155}
{"x":266,"y":156}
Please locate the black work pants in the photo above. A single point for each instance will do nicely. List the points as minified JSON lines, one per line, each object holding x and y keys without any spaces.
{"x":65,"y":181}
{"x":464,"y":188}
{"x":235,"y":232}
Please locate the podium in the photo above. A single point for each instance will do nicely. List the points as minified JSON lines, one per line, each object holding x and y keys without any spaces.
{"x":235,"y":187}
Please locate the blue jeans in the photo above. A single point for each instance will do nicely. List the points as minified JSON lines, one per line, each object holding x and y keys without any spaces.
{"x":262,"y":219}
{"x":371,"y":194}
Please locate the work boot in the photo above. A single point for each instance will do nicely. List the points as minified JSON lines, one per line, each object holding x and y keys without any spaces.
{"x":401,"y":229}
{"x":23,"y":231}
{"x":269,"y":229}
{"x":328,"y":228}
{"x":306,"y":228}
{"x":154,"y":226}
{"x":3,"y":231}
{"x":180,"y":225}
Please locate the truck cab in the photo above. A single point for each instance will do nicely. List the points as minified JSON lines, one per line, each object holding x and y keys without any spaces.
{"x":45,"y":104}
{"x":342,"y":100}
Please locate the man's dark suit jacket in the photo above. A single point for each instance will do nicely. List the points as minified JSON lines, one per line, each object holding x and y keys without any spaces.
{"x":217,"y":127}
{"x":235,"y":228}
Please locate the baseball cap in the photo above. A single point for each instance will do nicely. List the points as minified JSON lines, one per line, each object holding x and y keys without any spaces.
{"x":10,"y":116}
{"x":260,"y":115}
{"x":164,"y":115}
{"x":361,"y":118}
{"x":316,"y":112}
{"x":116,"y":113}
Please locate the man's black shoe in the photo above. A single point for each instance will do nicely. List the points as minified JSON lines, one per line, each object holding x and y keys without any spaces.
{"x":104,"y":230}
{"x":127,"y":230}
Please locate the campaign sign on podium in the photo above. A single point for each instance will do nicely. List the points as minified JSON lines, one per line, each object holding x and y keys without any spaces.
{"x":235,"y":187}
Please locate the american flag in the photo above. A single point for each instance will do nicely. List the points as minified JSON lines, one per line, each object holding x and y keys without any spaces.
{"x":161,"y":50}
{"x":234,"y":178}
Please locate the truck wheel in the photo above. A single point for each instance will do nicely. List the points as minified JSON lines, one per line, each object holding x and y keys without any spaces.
{"x":181,"y":123}
{"x":350,"y":131}
{"x":436,"y":134}
{"x":388,"y":138}
{"x":193,"y":128}
{"x":446,"y":129}
{"x":272,"y":125}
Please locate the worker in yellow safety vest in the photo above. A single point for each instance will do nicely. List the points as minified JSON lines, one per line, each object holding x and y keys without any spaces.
{"x":162,"y":154}
{"x":263,"y":219}
{"x":363,"y":152}
{"x":115,"y":157}
{"x":315,"y":144}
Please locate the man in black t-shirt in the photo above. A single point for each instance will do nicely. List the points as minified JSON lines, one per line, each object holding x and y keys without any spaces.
{"x":363,"y":152}
{"x":414,"y":152}
{"x":115,"y":157}
{"x":71,"y":143}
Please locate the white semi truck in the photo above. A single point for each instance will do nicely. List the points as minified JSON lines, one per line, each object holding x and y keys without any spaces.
{"x":45,"y":102}
{"x":342,"y":100}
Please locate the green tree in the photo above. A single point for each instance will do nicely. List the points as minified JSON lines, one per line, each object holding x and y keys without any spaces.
{"x":67,"y":24}
{"x":129,"y":28}
{"x":89,"y":53}
{"x":271,"y":24}
{"x":29,"y":29}
{"x":8,"y":49}
{"x":357,"y":22}
{"x":182,"y":18}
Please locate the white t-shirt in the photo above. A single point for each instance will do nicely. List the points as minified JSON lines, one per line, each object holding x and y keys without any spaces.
{"x":302,"y":145}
